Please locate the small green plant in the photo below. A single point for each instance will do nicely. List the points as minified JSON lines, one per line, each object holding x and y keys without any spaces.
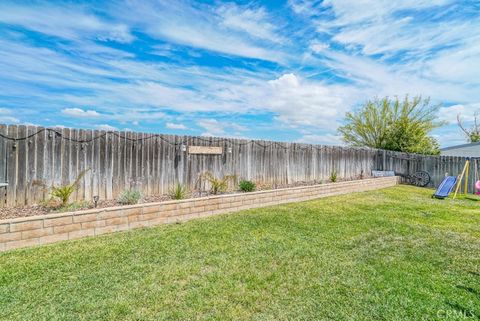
{"x":246,"y":186}
{"x":178,"y":192}
{"x":333,"y":176}
{"x":129,"y":197}
{"x":217,"y":185}
{"x":65,"y":191}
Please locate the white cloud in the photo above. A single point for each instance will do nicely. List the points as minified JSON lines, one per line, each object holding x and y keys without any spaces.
{"x":128,"y":116}
{"x":449,"y":114}
{"x":253,"y":21}
{"x":120,"y":88}
{"x":349,"y":12}
{"x":9,"y":120}
{"x":373,"y":78}
{"x":6,"y":118}
{"x":238,"y":127}
{"x":65,"y":22}
{"x":80,"y":113}
{"x":153,"y":87}
{"x":459,"y":65}
{"x":326,"y":139}
{"x":301,"y":103}
{"x":135,"y":116}
{"x":106,"y":127}
{"x":196,"y":26}
{"x":318,"y":47}
{"x":212,"y":127}
{"x":415,"y":39}
{"x":304,"y":7}
{"x":450,"y":136}
{"x":175,"y":126}
{"x":452,"y":133}
{"x":425,"y":47}
{"x":294,"y":100}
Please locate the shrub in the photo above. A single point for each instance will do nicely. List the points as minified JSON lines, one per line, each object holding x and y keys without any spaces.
{"x":129,"y":197}
{"x":64,"y":192}
{"x":178,"y":192}
{"x":333,"y":176}
{"x":218,"y":185}
{"x":246,"y":186}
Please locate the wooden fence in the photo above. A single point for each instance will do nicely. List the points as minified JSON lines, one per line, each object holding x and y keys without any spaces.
{"x":32,"y":159}
{"x":437,"y":166}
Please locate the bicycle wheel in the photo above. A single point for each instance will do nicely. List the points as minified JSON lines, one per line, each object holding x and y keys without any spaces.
{"x":420,"y":178}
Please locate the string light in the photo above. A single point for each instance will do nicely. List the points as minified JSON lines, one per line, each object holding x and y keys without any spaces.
{"x":232,"y":142}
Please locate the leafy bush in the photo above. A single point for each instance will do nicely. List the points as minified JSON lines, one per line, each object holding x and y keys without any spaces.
{"x":64,"y":192}
{"x":333,"y":176}
{"x":178,"y":192}
{"x":217,"y":185}
{"x":129,"y":197}
{"x":247,"y":186}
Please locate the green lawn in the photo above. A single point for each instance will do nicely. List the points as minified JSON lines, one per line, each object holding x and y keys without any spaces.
{"x":394,"y":254}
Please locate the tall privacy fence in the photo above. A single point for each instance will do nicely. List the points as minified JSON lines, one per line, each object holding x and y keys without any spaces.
{"x":32,"y":159}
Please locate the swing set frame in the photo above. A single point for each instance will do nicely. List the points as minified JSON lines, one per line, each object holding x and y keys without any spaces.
{"x":465,"y":174}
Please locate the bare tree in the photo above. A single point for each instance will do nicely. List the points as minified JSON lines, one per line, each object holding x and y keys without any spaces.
{"x":473,"y":134}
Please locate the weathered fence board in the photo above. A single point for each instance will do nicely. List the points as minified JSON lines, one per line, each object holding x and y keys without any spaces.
{"x":115,"y":161}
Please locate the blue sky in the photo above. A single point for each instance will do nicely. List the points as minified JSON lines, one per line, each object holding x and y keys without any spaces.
{"x":279,"y":70}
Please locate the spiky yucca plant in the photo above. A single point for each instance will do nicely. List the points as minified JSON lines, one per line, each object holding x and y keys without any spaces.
{"x":217,"y":185}
{"x":65,"y":191}
{"x":333,"y":176}
{"x":178,"y":192}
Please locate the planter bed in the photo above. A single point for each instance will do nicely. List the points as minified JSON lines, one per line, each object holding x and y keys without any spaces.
{"x":49,"y":228}
{"x":34,"y":210}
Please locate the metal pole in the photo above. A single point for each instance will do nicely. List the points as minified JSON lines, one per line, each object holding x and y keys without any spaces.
{"x":459,"y":183}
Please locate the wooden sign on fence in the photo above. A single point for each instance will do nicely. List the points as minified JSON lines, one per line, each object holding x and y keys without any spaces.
{"x":210,"y":150}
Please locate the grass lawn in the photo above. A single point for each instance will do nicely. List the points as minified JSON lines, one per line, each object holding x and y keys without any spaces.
{"x":394,"y":254}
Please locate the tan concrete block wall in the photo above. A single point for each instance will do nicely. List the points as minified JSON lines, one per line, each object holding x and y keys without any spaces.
{"x":37,"y":230}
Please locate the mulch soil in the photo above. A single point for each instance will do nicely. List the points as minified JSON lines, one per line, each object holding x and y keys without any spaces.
{"x":32,"y":210}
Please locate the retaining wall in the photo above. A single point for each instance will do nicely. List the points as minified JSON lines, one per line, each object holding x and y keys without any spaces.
{"x":37,"y":230}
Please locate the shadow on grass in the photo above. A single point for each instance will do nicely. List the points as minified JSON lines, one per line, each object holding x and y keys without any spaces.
{"x":469,"y":289}
{"x":475,"y":198}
